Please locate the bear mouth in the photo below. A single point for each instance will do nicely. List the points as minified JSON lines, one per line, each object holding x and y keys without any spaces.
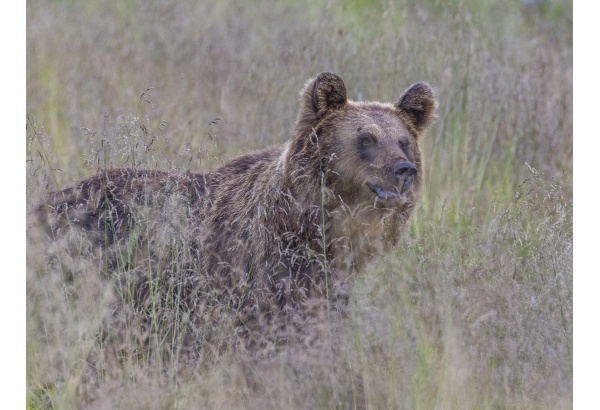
{"x":391,"y":195}
{"x":382,"y":193}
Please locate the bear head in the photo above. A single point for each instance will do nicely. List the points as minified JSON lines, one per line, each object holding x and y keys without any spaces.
{"x":361,"y":152}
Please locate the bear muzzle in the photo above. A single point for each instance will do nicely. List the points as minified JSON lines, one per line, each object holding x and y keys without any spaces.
{"x":404,"y":173}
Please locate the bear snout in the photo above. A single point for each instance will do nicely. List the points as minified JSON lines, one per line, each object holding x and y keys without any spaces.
{"x":404,"y":169}
{"x":405,"y":173}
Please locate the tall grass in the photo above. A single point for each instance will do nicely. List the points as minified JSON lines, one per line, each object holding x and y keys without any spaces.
{"x":473,"y":310}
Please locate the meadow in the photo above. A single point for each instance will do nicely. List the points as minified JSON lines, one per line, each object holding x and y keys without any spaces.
{"x":473,"y":310}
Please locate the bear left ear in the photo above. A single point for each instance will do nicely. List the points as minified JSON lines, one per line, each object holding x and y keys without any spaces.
{"x":325,"y":92}
{"x":418,"y":104}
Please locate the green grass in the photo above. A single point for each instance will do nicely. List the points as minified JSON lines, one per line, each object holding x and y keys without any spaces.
{"x":473,"y":310}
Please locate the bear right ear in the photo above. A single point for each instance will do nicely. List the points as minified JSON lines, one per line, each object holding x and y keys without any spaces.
{"x":418,"y":103}
{"x":325,"y":92}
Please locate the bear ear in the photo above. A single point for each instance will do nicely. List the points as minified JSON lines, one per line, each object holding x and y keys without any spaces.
{"x":325,"y":92}
{"x":418,"y":104}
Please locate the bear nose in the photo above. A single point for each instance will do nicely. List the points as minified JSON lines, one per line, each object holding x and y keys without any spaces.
{"x":405,"y":169}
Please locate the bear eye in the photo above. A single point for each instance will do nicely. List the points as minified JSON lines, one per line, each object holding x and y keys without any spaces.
{"x":403,"y":144}
{"x":367,"y":140}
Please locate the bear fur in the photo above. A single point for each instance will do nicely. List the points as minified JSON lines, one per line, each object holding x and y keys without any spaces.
{"x":271,"y":228}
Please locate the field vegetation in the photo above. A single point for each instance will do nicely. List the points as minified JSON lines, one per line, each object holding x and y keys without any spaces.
{"x":473,"y":310}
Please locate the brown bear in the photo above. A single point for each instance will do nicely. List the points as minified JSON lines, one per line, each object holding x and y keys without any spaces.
{"x":273,"y":227}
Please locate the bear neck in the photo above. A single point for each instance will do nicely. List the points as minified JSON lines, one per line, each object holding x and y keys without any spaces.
{"x":303,"y":173}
